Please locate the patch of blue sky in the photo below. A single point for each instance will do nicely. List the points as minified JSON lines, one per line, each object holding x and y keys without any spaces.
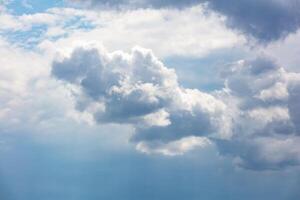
{"x":30,"y":38}
{"x":27,"y":39}
{"x":20,"y":7}
{"x":204,"y":73}
{"x":78,"y":167}
{"x":79,"y":22}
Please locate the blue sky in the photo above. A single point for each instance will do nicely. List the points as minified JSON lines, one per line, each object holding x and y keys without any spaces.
{"x":20,"y":7}
{"x":149,"y":100}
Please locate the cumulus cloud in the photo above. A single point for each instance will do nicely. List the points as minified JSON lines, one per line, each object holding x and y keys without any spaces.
{"x":136,"y":88}
{"x":265,"y":132}
{"x":266,"y":20}
{"x":254,"y":118}
{"x":34,"y":105}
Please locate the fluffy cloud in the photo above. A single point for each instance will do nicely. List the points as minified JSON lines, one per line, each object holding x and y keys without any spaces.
{"x":265,"y":20}
{"x":255,"y":116}
{"x":25,"y":89}
{"x":136,"y":88}
{"x":266,"y":131}
{"x":34,"y":105}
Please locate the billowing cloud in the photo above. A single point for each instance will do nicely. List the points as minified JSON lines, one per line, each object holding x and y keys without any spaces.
{"x":255,"y":116}
{"x":137,"y":89}
{"x":265,"y":20}
{"x":265,"y":132}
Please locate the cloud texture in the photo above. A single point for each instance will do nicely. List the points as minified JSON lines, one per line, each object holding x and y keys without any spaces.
{"x":254,"y":118}
{"x":265,"y":20}
{"x":137,"y":88}
{"x":265,"y":129}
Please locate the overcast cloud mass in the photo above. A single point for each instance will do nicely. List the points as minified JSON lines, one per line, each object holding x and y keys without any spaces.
{"x":148,"y":99}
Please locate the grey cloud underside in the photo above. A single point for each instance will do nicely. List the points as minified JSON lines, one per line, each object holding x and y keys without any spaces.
{"x":255,"y":118}
{"x":265,"y":20}
{"x":251,"y":154}
{"x":266,"y":128}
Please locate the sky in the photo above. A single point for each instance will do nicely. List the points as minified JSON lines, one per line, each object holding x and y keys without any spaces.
{"x":149,"y":99}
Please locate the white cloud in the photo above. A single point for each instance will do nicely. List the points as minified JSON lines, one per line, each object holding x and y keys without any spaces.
{"x":286,"y":51}
{"x":8,"y":21}
{"x":186,"y":32}
{"x":33,"y":103}
{"x":25,"y":87}
{"x":178,"y":147}
{"x":278,"y":91}
{"x":159,"y":118}
{"x":269,"y":114}
{"x":168,"y":32}
{"x":136,"y":88}
{"x":27,"y":21}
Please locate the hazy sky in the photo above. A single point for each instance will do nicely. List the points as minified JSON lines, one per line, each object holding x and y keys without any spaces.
{"x":149,"y":99}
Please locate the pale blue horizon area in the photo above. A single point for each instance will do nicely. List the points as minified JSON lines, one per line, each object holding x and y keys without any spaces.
{"x":82,"y":167}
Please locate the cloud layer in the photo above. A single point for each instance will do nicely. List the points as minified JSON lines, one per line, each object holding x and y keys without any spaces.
{"x":255,"y":118}
{"x":265,"y":20}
